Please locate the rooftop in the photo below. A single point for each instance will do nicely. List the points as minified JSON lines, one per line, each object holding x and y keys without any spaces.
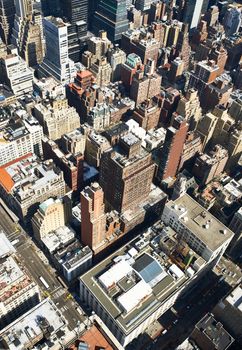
{"x":93,"y":339}
{"x":13,"y":279}
{"x":58,"y":238}
{"x":199,"y":221}
{"x":29,"y":328}
{"x":28,"y":176}
{"x":214,"y":331}
{"x":6,"y":248}
{"x":134,"y":281}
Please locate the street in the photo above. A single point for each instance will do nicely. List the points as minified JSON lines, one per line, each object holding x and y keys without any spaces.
{"x":37,"y":265}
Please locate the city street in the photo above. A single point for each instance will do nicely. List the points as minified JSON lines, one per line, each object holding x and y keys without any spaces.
{"x":34,"y":261}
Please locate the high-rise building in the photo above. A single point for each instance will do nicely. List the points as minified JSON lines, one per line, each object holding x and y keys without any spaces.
{"x":182,"y":47}
{"x":205,"y":73}
{"x":76,"y":14}
{"x":56,"y":117}
{"x":116,"y":58}
{"x":31,"y":41}
{"x":172,"y":148}
{"x":189,"y":108}
{"x":192,"y":12}
{"x":208,"y":166}
{"x":51,"y":214}
{"x":111,"y":16}
{"x":93,"y":217}
{"x":56,"y":62}
{"x":102,"y":71}
{"x":7,"y":13}
{"x":232,"y":21}
{"x":15,"y":73}
{"x":126,"y":174}
{"x":143,"y":5}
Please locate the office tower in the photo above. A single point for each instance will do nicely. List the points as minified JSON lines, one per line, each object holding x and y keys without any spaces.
{"x":126,"y":174}
{"x":232,"y":21}
{"x":172,"y":148}
{"x":116,"y":58}
{"x":145,"y":86}
{"x":147,"y":114}
{"x":18,"y":292}
{"x":208,"y":332}
{"x":31,"y":46}
{"x":157,"y":11}
{"x":143,"y":5}
{"x":7,"y":13}
{"x":15,"y":74}
{"x":189,"y":108}
{"x":192,"y":222}
{"x":51,"y":214}
{"x":56,"y":62}
{"x":93,"y":217}
{"x":211,"y":16}
{"x":134,"y":16}
{"x":176,"y":70}
{"x":220,"y":55}
{"x":102,"y":71}
{"x":217,"y":93}
{"x":205,"y":73}
{"x":56,"y":117}
{"x":233,"y":45}
{"x":24,"y":11}
{"x":208,"y":166}
{"x":132,"y":64}
{"x":192,"y":147}
{"x":75,"y":14}
{"x":192,"y":12}
{"x":111,"y":16}
{"x":51,"y":8}
{"x":183,"y":49}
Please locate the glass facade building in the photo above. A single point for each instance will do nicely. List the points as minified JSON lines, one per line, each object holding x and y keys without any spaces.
{"x":111,"y":16}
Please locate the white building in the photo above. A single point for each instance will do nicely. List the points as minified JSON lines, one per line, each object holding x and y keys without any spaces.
{"x":20,"y":139}
{"x":15,"y":73}
{"x":42,"y":322}
{"x":200,"y":229}
{"x":51,"y":214}
{"x":56,"y":62}
{"x":18,"y":292}
{"x":56,"y":117}
{"x":29,"y":181}
{"x":133,"y":287}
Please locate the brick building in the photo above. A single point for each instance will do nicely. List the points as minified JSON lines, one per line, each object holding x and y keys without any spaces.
{"x":126,"y":174}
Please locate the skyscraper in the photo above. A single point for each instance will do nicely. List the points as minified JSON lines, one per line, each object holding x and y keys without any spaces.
{"x":28,"y":32}
{"x":172,"y":148}
{"x":126,"y":174}
{"x":56,"y":62}
{"x":111,"y":16}
{"x":192,"y":12}
{"x":93,"y":218}
{"x":7,"y":12}
{"x":75,"y":12}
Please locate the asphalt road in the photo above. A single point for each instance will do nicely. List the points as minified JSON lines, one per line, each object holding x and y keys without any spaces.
{"x":37,"y":265}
